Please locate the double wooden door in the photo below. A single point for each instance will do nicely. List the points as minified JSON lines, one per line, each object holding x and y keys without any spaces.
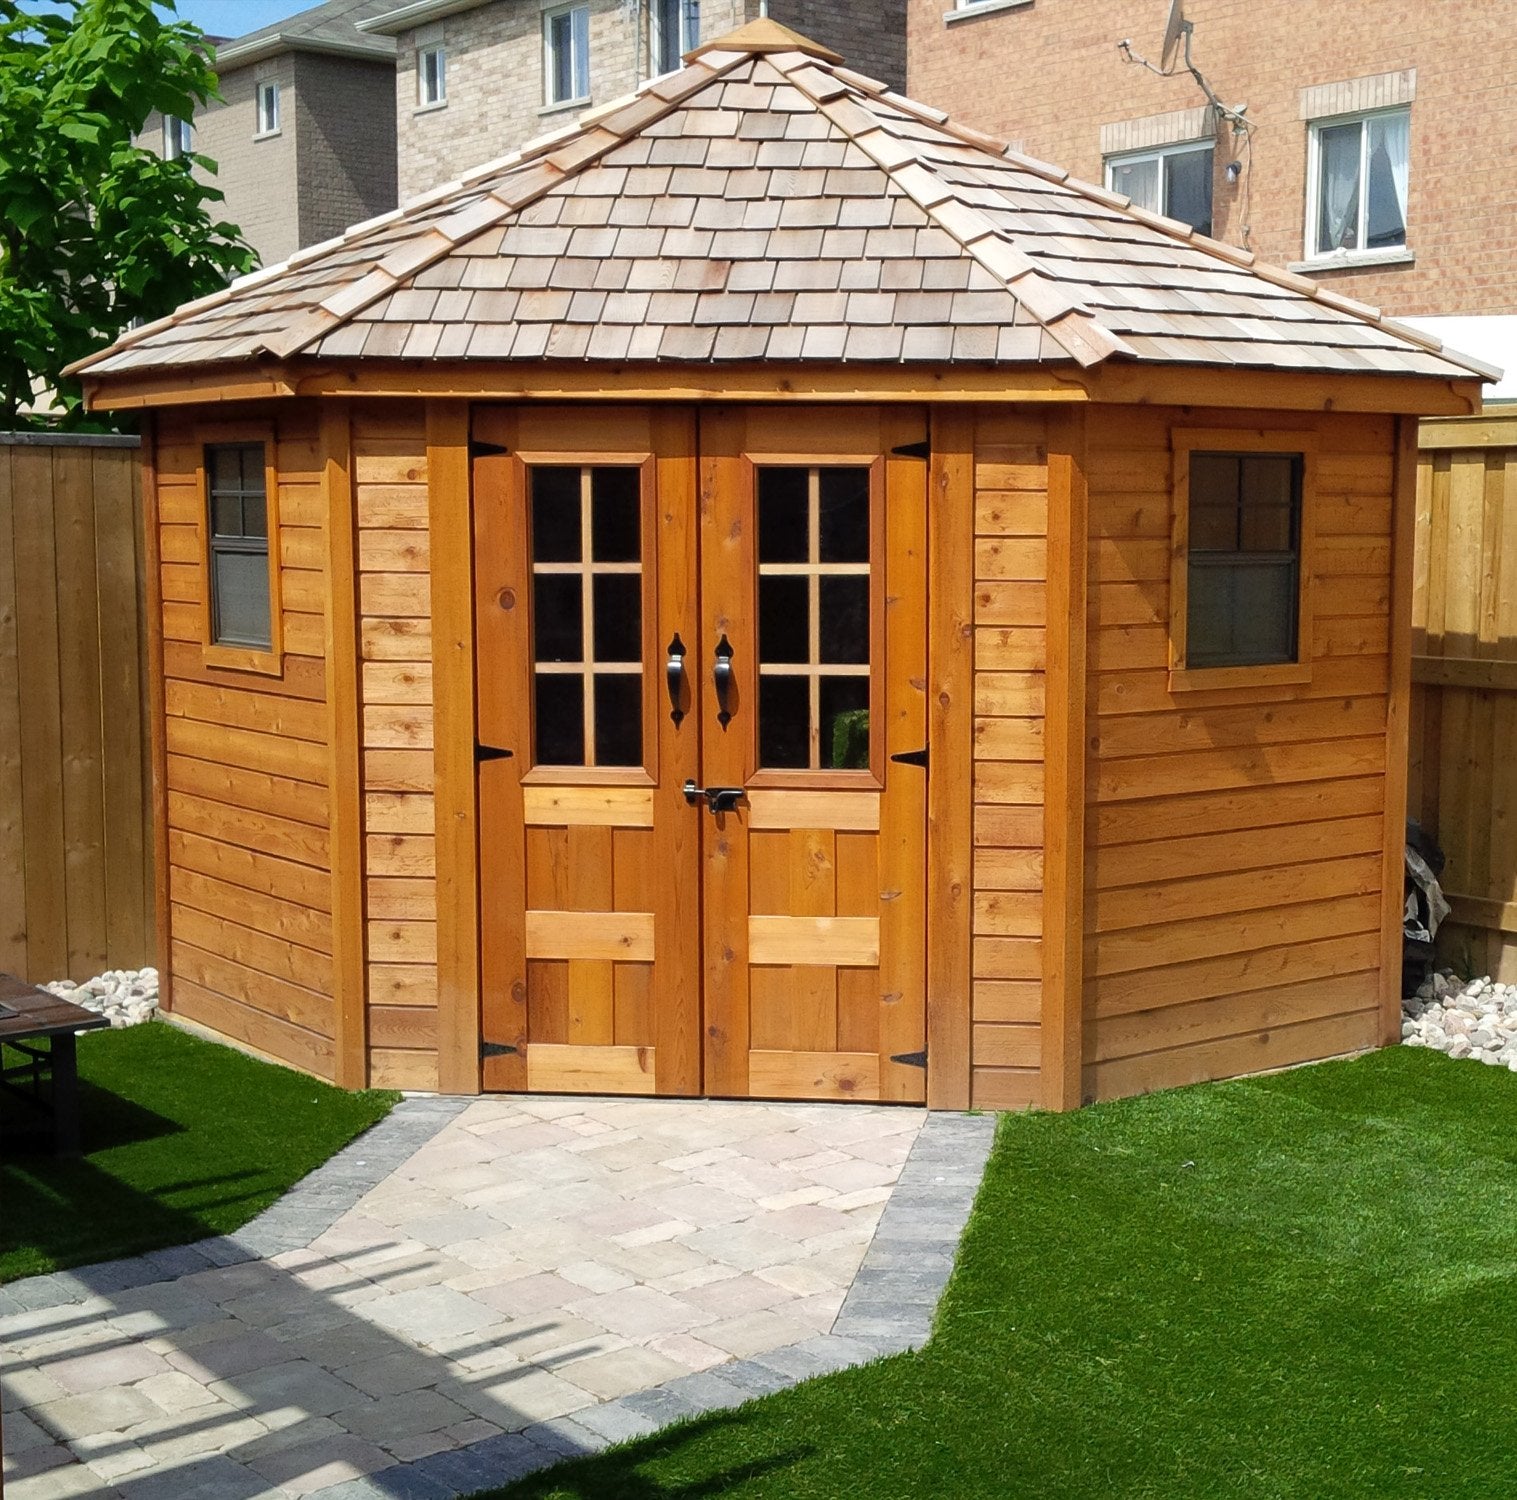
{"x":701,"y":658}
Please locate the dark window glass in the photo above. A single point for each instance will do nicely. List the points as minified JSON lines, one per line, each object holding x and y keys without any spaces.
{"x":1244,"y":565}
{"x":845,"y":618}
{"x":618,"y":718}
{"x":615,"y":517}
{"x":782,"y":506}
{"x":844,"y":497}
{"x":618,"y":617}
{"x":845,"y":723}
{"x":239,"y":545}
{"x":559,"y":714}
{"x":784,"y":721}
{"x":784,"y":618}
{"x":1187,"y":188}
{"x":558,"y":620}
{"x":555,"y":513}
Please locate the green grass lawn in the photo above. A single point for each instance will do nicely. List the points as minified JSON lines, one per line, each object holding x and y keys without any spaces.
{"x":182,"y":1139}
{"x":1296,"y":1286}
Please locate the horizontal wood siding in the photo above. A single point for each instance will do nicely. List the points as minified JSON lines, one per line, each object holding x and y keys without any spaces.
{"x":1233,"y":837}
{"x":1463,"y":780}
{"x":1010,"y":597}
{"x":395,"y":691}
{"x":246,"y":771}
{"x":75,"y":862}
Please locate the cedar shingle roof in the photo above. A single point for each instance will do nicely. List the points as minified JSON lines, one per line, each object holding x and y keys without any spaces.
{"x":766,"y":203}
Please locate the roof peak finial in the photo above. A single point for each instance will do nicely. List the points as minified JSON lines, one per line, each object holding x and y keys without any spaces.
{"x":765,"y":35}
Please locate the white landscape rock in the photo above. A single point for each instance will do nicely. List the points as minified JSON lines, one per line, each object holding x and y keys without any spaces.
{"x":1474,"y":1018}
{"x":126,"y":997}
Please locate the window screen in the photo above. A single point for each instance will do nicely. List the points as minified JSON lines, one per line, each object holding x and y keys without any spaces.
{"x":1244,"y":560}
{"x":239,"y":554}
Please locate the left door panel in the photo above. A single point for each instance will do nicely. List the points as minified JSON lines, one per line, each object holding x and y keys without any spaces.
{"x":589,"y":871}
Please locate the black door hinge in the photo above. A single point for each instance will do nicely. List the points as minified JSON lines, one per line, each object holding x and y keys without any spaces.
{"x":912,"y":758}
{"x":911,"y":1059}
{"x":913,"y":450}
{"x":498,"y":1049}
{"x":491,"y":752}
{"x":479,"y":448}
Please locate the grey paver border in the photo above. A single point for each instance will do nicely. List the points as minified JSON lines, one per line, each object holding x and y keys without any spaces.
{"x":306,"y":1211}
{"x":889,"y":1308}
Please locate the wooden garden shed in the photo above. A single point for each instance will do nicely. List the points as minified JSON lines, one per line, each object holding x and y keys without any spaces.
{"x":766,"y":592}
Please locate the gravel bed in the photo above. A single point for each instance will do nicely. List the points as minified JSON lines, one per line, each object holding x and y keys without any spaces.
{"x":128,"y":997}
{"x":1466,"y":1018}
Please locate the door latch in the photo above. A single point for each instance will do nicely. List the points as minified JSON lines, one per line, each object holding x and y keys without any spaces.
{"x":719,"y":799}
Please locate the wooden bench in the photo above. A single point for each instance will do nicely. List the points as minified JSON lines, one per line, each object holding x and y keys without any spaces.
{"x":28,"y":1016}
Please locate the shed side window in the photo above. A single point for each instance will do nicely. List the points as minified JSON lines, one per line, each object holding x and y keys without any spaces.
{"x":1244,"y":559}
{"x":238,"y":526}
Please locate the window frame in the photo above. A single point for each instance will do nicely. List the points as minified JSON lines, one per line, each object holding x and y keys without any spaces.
{"x":266,"y":89}
{"x":1160,"y":154}
{"x":1285,"y":443}
{"x":1361,"y":254}
{"x":425,"y":50}
{"x":178,"y":138}
{"x":687,"y":43}
{"x":548,"y":17}
{"x":266,"y":660}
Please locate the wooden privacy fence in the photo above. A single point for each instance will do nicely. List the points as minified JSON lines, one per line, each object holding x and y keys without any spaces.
{"x":1463,"y":782}
{"x":75,"y":877}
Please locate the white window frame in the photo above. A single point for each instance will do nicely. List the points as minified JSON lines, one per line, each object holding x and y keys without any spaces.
{"x":178,"y":137}
{"x":1361,"y":254}
{"x":266,"y":105}
{"x":687,"y":41}
{"x":423,"y":52}
{"x":549,"y":102}
{"x":1158,"y":153}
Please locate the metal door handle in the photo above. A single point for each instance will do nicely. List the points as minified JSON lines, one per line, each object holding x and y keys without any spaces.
{"x":721,"y":675}
{"x":674,"y":672}
{"x":719,"y":799}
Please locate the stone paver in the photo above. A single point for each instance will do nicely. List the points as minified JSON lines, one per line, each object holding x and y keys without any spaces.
{"x":476,"y":1289}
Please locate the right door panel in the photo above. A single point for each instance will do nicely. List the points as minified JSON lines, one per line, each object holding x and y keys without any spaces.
{"x":813,"y":586}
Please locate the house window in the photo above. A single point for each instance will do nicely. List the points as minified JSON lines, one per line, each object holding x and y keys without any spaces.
{"x":676,"y":31}
{"x":431,"y":76}
{"x":1359,"y":169}
{"x":268,"y":109}
{"x":1243,"y":559}
{"x":176,"y":138}
{"x":1175,"y":181}
{"x":566,"y":54}
{"x":237,"y":506}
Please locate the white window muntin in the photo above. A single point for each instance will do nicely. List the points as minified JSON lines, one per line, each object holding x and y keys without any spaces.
{"x":1394,"y":131}
{"x":268,"y":109}
{"x":675,"y":29}
{"x":566,"y":54}
{"x":431,"y":75}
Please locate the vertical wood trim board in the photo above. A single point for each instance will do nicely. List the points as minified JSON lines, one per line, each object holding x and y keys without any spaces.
{"x":157,"y":728}
{"x":1398,"y":724}
{"x":345,"y":782}
{"x":451,"y":532}
{"x":950,"y":669}
{"x":1064,"y":769}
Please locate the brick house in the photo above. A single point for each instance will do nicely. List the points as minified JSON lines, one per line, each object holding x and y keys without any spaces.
{"x":476,"y":78}
{"x":304,"y":134}
{"x":1371,"y":148}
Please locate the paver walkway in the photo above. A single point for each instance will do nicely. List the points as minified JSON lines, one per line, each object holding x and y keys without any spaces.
{"x":473,"y":1290}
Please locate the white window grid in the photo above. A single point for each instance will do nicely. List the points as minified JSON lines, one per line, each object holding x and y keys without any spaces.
{"x":687,"y":23}
{"x":579,"y":54}
{"x":431,"y":75}
{"x":1154,"y":154}
{"x":1314,"y":181}
{"x":177,"y":138}
{"x":268,"y":109}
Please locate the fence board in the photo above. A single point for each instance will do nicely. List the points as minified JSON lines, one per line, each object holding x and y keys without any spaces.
{"x":1463,"y":784}
{"x":75,"y":873}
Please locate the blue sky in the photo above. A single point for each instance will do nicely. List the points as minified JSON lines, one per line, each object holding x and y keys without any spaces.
{"x":235,"y":17}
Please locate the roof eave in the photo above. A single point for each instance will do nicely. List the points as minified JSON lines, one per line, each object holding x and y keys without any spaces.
{"x":418,"y":13}
{"x":265,"y":47}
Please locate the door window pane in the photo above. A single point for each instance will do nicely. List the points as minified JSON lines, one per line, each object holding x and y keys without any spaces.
{"x":587,"y":614}
{"x":816,"y":606}
{"x":240,"y":581}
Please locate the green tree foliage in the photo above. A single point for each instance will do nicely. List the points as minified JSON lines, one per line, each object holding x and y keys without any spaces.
{"x":96,"y":231}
